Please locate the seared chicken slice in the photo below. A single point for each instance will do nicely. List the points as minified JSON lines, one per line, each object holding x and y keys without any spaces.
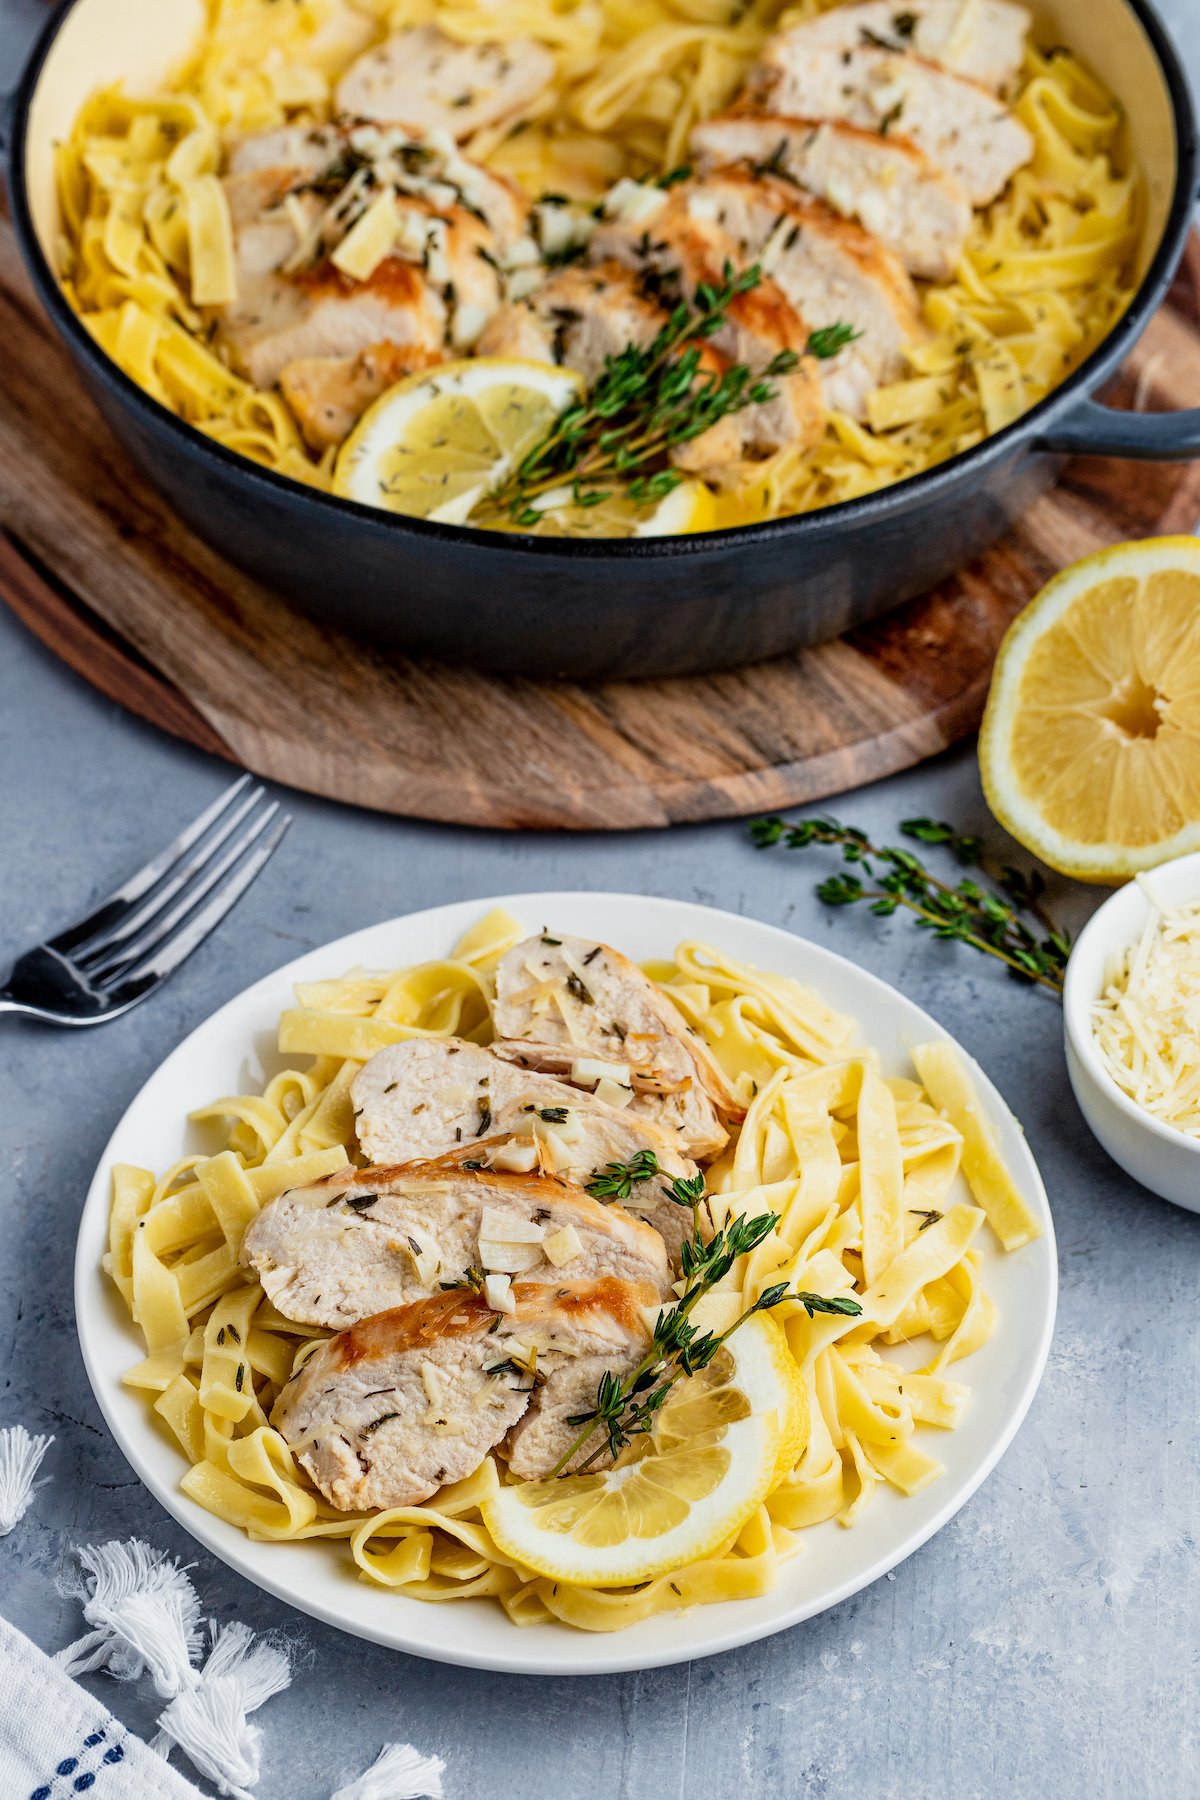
{"x":386,"y":1413}
{"x":365,"y":1240}
{"x":887,"y":184}
{"x":433,"y":1097}
{"x":422,"y":78}
{"x":577,"y":317}
{"x":436,"y":224}
{"x":674,"y":254}
{"x":305,"y":150}
{"x":556,"y":996}
{"x":329,"y":394}
{"x":831,"y":270}
{"x":962,"y":128}
{"x":982,"y":39}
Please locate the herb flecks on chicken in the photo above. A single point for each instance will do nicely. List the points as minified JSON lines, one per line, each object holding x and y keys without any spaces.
{"x":645,"y":403}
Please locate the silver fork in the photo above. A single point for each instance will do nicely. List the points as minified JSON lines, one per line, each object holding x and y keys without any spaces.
{"x":132,"y":941}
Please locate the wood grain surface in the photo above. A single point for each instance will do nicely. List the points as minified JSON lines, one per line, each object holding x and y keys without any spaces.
{"x":98,"y":567}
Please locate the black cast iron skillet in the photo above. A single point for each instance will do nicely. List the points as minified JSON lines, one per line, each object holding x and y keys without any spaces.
{"x":625,"y":607}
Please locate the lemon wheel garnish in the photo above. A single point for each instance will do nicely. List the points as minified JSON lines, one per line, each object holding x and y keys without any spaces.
{"x":672,"y":1497}
{"x":437,"y":442}
{"x":688,"y":507}
{"x":1090,"y":747}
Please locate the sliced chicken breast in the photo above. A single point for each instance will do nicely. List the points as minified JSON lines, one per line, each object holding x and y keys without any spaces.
{"x":424,"y":79}
{"x":329,"y":394}
{"x":578,"y":318}
{"x":434,"y":1097}
{"x":558,"y":995}
{"x":364,"y":1241}
{"x":673,"y":254}
{"x":982,"y":39}
{"x":430,"y":283}
{"x":831,"y":270}
{"x":913,"y":208}
{"x":306,"y":150}
{"x":389,"y":1411}
{"x":961,"y":127}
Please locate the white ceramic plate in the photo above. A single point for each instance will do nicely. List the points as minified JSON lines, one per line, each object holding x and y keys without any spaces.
{"x":235,"y":1047}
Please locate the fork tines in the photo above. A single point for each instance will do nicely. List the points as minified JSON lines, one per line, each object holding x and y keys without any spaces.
{"x":146,"y":928}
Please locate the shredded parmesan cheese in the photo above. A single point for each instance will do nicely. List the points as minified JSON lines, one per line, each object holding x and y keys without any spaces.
{"x":1146,"y":1023}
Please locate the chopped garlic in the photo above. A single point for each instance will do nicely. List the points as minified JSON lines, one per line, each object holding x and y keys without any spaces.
{"x":561,"y":228}
{"x":412,"y":234}
{"x":496,"y":1293}
{"x":1146,"y":1023}
{"x":425,"y":1253}
{"x":517,"y":1158}
{"x":431,"y":1381}
{"x":509,"y":1228}
{"x":614,"y":1093}
{"x":633,"y":201}
{"x":368,"y":240}
{"x":705,"y":208}
{"x":586,"y":1071}
{"x":563,"y":1246}
{"x":508,"y":1259}
{"x":469,"y":321}
{"x":567,"y":1131}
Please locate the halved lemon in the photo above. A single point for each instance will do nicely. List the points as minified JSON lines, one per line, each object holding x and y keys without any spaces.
{"x":672,"y":1497}
{"x":435,"y":445}
{"x":437,"y":442}
{"x":1090,"y":746}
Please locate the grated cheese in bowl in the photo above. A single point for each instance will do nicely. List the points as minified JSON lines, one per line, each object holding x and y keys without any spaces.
{"x":1146,"y":1023}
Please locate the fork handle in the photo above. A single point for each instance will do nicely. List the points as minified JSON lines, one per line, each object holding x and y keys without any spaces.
{"x":9,"y":1005}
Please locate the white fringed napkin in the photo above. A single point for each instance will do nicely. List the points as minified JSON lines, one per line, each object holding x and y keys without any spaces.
{"x":56,"y":1742}
{"x":145,"y":1619}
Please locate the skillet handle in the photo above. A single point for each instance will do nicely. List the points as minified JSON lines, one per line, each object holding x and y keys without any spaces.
{"x":1094,"y":430}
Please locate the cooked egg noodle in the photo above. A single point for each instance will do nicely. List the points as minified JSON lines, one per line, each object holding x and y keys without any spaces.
{"x":858,"y":1166}
{"x":147,"y":251}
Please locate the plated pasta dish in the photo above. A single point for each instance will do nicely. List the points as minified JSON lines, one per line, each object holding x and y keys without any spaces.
{"x":589,"y":268}
{"x":586,"y":1287}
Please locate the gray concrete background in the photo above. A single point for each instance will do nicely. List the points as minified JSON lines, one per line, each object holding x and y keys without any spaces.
{"x":1048,"y":1639}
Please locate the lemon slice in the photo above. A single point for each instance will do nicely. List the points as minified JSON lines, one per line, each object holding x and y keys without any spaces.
{"x":437,"y":442}
{"x":688,"y":507}
{"x":674,"y":1496}
{"x":1090,"y":747}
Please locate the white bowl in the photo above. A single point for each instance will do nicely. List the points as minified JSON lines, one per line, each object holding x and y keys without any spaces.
{"x":1161,"y":1158}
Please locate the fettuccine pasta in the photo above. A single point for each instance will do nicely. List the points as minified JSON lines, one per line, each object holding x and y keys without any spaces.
{"x":858,"y":1166}
{"x":146,"y":239}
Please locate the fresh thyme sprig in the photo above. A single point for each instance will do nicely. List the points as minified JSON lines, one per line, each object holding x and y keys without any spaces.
{"x":966,"y":912}
{"x":626,"y":1408}
{"x":646,"y":402}
{"x":689,"y":1191}
{"x":616,"y":1179}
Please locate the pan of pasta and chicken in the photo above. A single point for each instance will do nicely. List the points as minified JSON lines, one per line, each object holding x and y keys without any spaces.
{"x":584,"y":338}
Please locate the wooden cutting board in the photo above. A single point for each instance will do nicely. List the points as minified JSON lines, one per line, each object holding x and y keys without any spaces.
{"x":100,"y":570}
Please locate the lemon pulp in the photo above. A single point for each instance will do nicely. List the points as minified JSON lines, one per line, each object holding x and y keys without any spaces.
{"x":1090,"y":749}
{"x":438,"y":443}
{"x":676,"y":1494}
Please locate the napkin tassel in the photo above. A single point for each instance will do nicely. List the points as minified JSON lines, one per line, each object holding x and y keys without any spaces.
{"x":208,"y":1719}
{"x":398,"y":1773}
{"x":144,"y":1614}
{"x":20,"y":1459}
